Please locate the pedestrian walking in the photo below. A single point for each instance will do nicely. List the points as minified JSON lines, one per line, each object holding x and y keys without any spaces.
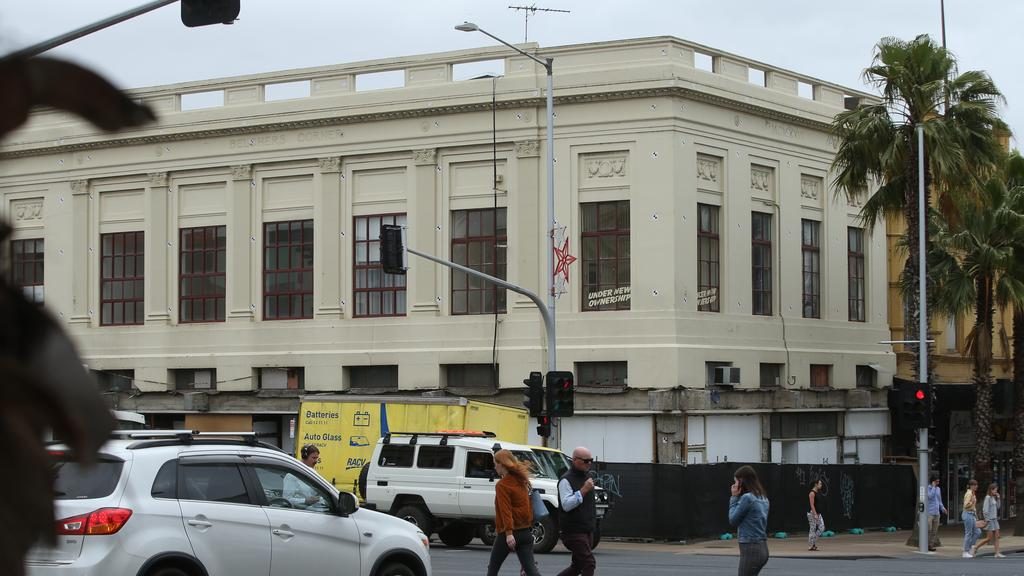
{"x":990,"y":513}
{"x":815,"y":517}
{"x":935,"y":509}
{"x":513,"y":515}
{"x":969,"y":516}
{"x":577,"y":513}
{"x":748,"y":512}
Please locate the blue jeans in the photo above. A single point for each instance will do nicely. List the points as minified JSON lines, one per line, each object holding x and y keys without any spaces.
{"x":971,"y":532}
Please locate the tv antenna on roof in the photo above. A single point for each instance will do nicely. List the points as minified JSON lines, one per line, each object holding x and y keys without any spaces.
{"x":532,"y":10}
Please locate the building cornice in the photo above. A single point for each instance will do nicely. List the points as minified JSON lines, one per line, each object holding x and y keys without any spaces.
{"x":420,"y":112}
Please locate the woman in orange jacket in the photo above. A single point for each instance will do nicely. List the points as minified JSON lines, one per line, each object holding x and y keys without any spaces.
{"x":513,"y":516}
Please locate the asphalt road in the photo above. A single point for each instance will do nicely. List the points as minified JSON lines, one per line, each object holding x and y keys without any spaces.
{"x":638,"y":561}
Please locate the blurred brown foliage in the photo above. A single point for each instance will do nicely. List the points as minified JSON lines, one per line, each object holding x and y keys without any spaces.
{"x":43,"y":384}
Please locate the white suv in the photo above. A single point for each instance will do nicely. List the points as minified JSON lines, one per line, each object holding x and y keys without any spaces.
{"x":178,"y":503}
{"x":444,"y":483}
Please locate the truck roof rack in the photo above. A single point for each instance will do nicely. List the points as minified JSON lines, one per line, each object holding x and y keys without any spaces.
{"x":443,"y":434}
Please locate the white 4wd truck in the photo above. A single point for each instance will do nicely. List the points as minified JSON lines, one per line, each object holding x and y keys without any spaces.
{"x":444,"y":483}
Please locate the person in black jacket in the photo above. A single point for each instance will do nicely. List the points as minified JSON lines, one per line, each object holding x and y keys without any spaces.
{"x":577,"y":513}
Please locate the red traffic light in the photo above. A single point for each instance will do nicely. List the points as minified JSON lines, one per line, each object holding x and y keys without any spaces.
{"x":919,"y":394}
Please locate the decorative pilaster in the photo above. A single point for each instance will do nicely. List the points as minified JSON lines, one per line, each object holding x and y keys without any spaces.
{"x":526,"y":222}
{"x":159,"y":250}
{"x":242,"y":250}
{"x":426,"y":235}
{"x":83,"y":262}
{"x":327,"y":230}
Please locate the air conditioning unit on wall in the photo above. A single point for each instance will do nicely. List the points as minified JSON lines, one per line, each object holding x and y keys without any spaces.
{"x":726,"y":376}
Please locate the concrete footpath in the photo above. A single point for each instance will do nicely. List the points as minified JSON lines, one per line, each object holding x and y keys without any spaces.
{"x":874,"y":544}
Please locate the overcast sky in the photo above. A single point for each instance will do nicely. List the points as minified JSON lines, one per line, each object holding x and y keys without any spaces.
{"x":827,"y":39}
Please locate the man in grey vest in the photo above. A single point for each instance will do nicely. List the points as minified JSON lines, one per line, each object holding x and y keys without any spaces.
{"x":577,"y":513}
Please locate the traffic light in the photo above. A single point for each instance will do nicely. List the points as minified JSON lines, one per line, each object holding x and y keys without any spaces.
{"x":533,"y":396}
{"x":560,"y":390}
{"x":543,"y":426}
{"x":915,"y":408}
{"x":392,"y":250}
{"x":205,"y":12}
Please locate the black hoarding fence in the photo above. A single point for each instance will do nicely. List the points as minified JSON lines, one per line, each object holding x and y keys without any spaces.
{"x":676,"y":502}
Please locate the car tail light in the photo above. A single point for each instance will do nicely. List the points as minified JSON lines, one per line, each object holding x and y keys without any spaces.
{"x":98,"y":523}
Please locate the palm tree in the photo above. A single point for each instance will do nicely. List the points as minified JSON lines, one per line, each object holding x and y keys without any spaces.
{"x":877,"y":143}
{"x":974,"y":265}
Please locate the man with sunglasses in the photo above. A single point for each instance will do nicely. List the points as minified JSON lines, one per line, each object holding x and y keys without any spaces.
{"x":577,"y":513}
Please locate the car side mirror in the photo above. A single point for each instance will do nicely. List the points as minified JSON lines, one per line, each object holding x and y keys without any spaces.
{"x":492,"y":474}
{"x":346,"y":503}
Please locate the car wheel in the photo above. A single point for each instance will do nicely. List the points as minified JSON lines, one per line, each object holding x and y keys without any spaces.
{"x":168,"y":571}
{"x":396,"y":569}
{"x":457,"y":534}
{"x":486,"y":534}
{"x":595,"y":538}
{"x":545,"y":535}
{"x":415,"y":514}
{"x":362,"y":480}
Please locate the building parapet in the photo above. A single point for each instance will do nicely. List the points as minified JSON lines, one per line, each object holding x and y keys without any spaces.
{"x":332,"y":95}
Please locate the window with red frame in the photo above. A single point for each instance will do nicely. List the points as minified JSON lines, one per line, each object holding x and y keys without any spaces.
{"x":479,"y":242}
{"x":855,"y":271}
{"x":202,"y":266}
{"x":761,"y":263}
{"x":708,"y":259}
{"x":376,"y":293}
{"x":122,"y":294}
{"x":27,"y":267}
{"x":288,"y":270}
{"x":605,"y":256}
{"x":811,"y":250}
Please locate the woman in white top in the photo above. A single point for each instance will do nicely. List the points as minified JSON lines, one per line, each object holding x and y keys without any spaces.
{"x":990,"y":512}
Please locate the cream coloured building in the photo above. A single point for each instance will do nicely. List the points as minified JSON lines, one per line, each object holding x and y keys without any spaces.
{"x":722,"y":304}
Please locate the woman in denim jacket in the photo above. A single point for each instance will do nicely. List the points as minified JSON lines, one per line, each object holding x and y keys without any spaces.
{"x":748,"y":511}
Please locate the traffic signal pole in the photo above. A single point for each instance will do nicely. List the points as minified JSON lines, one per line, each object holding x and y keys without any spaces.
{"x":39,"y":48}
{"x":922,"y":350}
{"x":549,"y":320}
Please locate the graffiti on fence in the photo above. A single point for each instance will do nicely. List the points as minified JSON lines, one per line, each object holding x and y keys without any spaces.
{"x":847,"y":490}
{"x":807,"y":475}
{"x":609,"y":482}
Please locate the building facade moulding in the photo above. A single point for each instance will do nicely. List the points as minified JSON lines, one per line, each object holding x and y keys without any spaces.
{"x":330,"y":165}
{"x":158,"y":179}
{"x":673,"y":91}
{"x":241,"y":172}
{"x":27,"y":211}
{"x":527,"y":149}
{"x":79,"y":186}
{"x":425,"y":156}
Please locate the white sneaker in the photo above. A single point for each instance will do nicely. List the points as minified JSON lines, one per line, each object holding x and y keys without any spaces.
{"x":968,"y":555}
{"x":998,"y":555}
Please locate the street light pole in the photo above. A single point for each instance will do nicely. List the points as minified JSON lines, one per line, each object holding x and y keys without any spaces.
{"x":547,"y":63}
{"x":922,"y":350}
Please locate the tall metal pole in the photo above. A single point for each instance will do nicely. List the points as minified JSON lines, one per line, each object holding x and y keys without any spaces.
{"x":922,"y":350}
{"x":552,"y":356}
{"x":942,"y":10}
{"x":45,"y":45}
{"x":548,"y":64}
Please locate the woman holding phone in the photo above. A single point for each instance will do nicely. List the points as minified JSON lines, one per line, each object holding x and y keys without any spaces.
{"x":748,"y":512}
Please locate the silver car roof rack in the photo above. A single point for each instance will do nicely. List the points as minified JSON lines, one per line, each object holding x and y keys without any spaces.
{"x":151,"y":438}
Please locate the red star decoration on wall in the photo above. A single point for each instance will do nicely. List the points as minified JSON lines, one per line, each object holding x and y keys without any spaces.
{"x":564,"y":259}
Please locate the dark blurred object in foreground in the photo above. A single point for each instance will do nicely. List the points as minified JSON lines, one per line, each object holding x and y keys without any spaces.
{"x":43,"y":383}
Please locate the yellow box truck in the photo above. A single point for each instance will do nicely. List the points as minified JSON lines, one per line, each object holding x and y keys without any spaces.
{"x":346,"y":428}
